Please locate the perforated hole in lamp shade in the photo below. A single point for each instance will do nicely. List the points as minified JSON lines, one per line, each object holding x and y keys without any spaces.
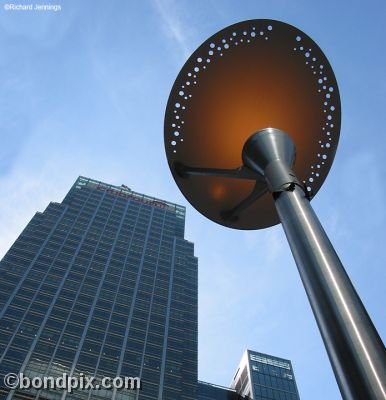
{"x":250,"y":76}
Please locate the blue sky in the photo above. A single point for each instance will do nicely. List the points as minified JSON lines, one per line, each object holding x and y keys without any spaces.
{"x":83,"y":91}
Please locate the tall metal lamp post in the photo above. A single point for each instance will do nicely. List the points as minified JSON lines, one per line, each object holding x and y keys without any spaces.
{"x":251,"y":129}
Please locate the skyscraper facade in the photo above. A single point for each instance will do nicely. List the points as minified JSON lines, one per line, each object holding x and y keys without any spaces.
{"x":102,"y":284}
{"x":264,"y":377}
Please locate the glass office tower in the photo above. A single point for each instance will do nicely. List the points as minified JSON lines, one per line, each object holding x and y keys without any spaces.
{"x":102,"y":284}
{"x":264,"y":377}
{"x":258,"y":377}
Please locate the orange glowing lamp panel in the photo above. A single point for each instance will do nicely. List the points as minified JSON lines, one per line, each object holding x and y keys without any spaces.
{"x":250,"y":76}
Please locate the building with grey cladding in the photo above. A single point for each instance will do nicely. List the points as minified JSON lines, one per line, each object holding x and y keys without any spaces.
{"x":102,"y":284}
{"x":210,"y":391}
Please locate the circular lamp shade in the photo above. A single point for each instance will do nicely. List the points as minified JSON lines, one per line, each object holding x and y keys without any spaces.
{"x":252,"y":75}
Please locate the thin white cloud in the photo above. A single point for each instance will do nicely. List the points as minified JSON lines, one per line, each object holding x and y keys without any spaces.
{"x":272,"y":240}
{"x":173,"y":25}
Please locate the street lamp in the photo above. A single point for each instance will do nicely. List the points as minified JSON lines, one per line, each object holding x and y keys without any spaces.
{"x":251,"y":129}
